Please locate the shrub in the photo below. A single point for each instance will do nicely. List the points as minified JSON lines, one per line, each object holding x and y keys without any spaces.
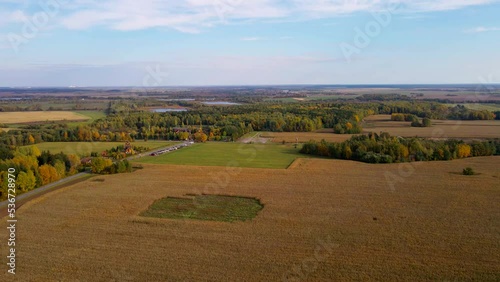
{"x":416,"y":123}
{"x":468,"y":171}
{"x":426,"y":122}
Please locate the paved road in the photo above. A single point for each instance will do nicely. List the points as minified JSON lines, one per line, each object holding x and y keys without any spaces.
{"x":33,"y":194}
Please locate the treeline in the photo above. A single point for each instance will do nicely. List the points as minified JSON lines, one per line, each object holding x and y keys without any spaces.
{"x":102,"y":165}
{"x":460,"y":112}
{"x":383,"y":148}
{"x":433,"y":110}
{"x":217,"y":123}
{"x":230,"y":123}
{"x":415,"y":121}
{"x":35,"y":168}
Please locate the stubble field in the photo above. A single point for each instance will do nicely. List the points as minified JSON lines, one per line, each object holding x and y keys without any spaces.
{"x":29,"y":117}
{"x":302,"y":137}
{"x":477,"y":129}
{"x":323,"y":220}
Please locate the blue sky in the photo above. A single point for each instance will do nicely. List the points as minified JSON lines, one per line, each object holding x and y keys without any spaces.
{"x":245,"y":42}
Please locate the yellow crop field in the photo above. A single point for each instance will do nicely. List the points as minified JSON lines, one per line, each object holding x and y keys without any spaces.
{"x":29,"y":117}
{"x":476,"y":129}
{"x":322,"y":220}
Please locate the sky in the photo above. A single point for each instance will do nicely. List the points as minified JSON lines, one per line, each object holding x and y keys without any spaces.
{"x":152,"y":43}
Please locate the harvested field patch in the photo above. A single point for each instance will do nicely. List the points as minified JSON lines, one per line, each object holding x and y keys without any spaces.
{"x":479,"y":129}
{"x":432,"y":225}
{"x":291,"y":137}
{"x":205,"y":207}
{"x":41,"y":116}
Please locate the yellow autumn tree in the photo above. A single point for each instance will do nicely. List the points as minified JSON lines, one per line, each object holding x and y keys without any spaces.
{"x":348,"y":126}
{"x":31,"y":139}
{"x":34,"y":151}
{"x":403,"y":151}
{"x":48,"y":174}
{"x":347,"y":152}
{"x":95,"y":135}
{"x":200,"y":137}
{"x":463,"y":151}
{"x":75,"y":162}
{"x":60,"y":168}
{"x":183,"y":135}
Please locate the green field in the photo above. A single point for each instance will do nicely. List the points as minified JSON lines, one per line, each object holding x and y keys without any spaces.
{"x":205,"y":207}
{"x":85,"y":148}
{"x":93,"y":115}
{"x":230,"y":154}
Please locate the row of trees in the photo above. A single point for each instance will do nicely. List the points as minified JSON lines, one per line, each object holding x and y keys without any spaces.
{"x":383,"y":148}
{"x":230,"y":123}
{"x":101,"y":165}
{"x":217,"y":123}
{"x":434,"y":110}
{"x":36,"y":168}
{"x":415,"y":121}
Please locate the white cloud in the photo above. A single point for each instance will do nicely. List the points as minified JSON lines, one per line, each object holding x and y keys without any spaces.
{"x":482,"y":29}
{"x":182,"y":15}
{"x":443,"y":5}
{"x":195,"y":15}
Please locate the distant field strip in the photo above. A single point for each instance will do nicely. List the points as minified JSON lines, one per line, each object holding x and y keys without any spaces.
{"x":85,"y":148}
{"x":440,"y":128}
{"x":28,"y":117}
{"x":302,"y":137}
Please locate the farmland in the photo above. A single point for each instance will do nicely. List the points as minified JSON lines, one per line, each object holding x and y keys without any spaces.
{"x":480,"y":107}
{"x":323,"y":220}
{"x":291,"y":137}
{"x":85,"y":148}
{"x":31,"y":117}
{"x":440,"y":129}
{"x":240,"y":203}
{"x":230,"y":154}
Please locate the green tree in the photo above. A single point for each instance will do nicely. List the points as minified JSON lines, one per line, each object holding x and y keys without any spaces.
{"x":26,"y":181}
{"x":100,"y":164}
{"x":426,"y":122}
{"x":60,"y":168}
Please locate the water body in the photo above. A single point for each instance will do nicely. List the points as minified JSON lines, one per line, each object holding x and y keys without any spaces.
{"x":168,"y":110}
{"x":217,"y":103}
{"x":170,"y":100}
{"x":11,"y":99}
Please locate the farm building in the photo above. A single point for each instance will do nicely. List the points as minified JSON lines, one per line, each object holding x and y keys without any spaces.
{"x":86,"y":161}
